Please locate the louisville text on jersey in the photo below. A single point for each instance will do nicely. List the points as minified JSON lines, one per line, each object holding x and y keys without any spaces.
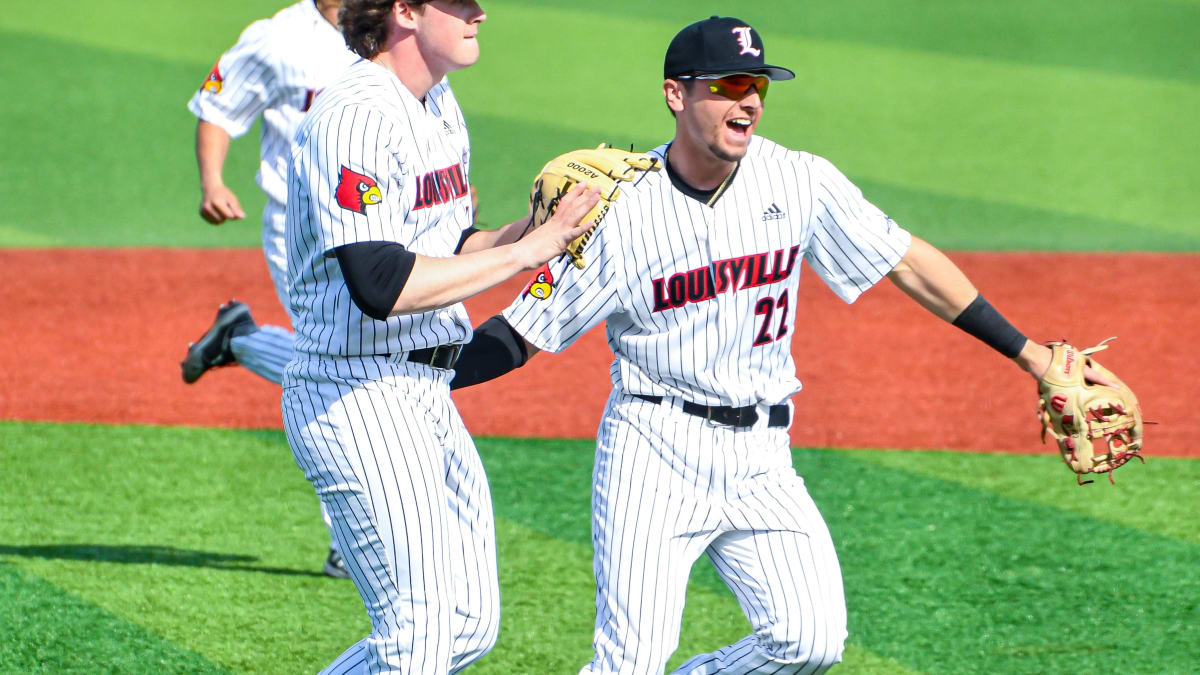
{"x":723,"y":276}
{"x":356,"y":191}
{"x":443,"y":185}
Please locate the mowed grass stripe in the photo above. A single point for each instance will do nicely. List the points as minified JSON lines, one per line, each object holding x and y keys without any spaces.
{"x":942,"y":577}
{"x":952,"y":579}
{"x":1088,"y":143}
{"x":135,"y":180}
{"x":949,"y":221}
{"x":104,"y":157}
{"x":1169,"y":485}
{"x":45,"y":630}
{"x":977,"y":144}
{"x":548,"y":591}
{"x":209,"y":537}
{"x":211,"y":540}
{"x":1151,"y":38}
{"x":180,"y":32}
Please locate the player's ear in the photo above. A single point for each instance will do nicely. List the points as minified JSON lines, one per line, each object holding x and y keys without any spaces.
{"x":673,"y":90}
{"x":405,"y":14}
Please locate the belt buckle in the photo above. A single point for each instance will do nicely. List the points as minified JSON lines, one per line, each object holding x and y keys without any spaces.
{"x":747,"y":416}
{"x":708,"y":418}
{"x":741,"y":417}
{"x":433,"y":357}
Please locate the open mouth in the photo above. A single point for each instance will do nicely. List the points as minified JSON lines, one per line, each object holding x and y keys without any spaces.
{"x":740,"y":125}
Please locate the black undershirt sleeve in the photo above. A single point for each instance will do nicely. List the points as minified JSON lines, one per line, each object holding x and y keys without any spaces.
{"x":375,"y":273}
{"x":495,"y":349}
{"x":466,"y":234}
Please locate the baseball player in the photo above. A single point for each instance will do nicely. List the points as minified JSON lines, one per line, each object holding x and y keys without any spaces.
{"x":274,"y":72}
{"x":695,"y":273}
{"x":378,"y":205}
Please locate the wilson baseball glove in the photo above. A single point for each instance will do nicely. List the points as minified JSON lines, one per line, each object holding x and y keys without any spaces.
{"x":1098,"y":428}
{"x":603,"y":168}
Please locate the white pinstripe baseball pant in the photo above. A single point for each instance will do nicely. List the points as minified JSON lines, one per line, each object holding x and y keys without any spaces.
{"x":267,"y":351}
{"x":668,"y":487}
{"x":387,"y":452}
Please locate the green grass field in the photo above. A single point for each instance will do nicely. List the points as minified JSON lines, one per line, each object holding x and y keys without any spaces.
{"x":1028,"y":125}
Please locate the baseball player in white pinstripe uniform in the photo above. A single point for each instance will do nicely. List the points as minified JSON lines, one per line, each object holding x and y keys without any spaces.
{"x":695,"y":272}
{"x":274,"y":71}
{"x":378,"y":205}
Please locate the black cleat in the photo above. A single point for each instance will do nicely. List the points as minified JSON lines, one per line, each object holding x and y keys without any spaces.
{"x":212,"y":350}
{"x":335,"y":567}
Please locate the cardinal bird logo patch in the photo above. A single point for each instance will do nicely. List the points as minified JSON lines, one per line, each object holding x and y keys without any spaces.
{"x":542,"y":285}
{"x":214,"y":81}
{"x":355,"y":192}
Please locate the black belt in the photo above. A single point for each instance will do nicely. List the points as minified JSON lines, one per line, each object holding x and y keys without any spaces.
{"x":729,"y":415}
{"x":441,"y":356}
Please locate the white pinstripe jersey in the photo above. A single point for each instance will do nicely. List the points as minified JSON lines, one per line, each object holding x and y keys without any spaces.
{"x":275,"y":70}
{"x":374,"y":163}
{"x":699,"y":300}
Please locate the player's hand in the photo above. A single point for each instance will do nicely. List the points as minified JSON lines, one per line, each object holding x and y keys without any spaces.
{"x":219,"y":204}
{"x":1035,"y":359}
{"x":551,"y":238}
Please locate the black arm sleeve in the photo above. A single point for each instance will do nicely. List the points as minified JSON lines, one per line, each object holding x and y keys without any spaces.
{"x":984,"y":322}
{"x":466,"y":234}
{"x":495,"y":349}
{"x":375,"y":273}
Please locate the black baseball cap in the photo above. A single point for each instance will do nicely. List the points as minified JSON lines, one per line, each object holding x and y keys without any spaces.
{"x":719,"y":44}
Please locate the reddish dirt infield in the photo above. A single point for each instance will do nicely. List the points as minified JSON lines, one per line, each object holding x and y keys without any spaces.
{"x":96,"y":336}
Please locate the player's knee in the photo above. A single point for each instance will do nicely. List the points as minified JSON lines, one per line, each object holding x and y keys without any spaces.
{"x":490,"y":632}
{"x":795,"y":650}
{"x":478,"y":638}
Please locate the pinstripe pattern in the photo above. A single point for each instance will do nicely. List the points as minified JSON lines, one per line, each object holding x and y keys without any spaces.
{"x":705,"y":351}
{"x":371,"y":124}
{"x":264,"y":352}
{"x":379,"y":437}
{"x":274,"y":71}
{"x":391,"y":461}
{"x":732,"y":494}
{"x":699,"y":306}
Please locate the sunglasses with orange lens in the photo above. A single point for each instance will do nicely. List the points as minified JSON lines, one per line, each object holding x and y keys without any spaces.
{"x":736,"y":87}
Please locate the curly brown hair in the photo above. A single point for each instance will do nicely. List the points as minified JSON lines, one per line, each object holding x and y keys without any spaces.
{"x":364,"y":23}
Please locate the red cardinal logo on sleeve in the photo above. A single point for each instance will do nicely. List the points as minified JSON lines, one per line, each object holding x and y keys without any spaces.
{"x":355,"y":192}
{"x":214,"y":81}
{"x":542,"y":285}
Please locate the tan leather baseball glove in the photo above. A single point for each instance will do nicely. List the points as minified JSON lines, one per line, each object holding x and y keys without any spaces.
{"x":1098,"y":428}
{"x":602,"y":168}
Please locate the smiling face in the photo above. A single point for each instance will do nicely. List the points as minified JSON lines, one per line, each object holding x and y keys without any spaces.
{"x":446,"y":31}
{"x":712,"y":124}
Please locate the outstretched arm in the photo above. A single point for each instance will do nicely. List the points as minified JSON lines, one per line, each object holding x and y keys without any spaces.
{"x":938,"y":285}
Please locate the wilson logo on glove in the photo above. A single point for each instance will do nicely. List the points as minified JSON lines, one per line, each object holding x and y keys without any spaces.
{"x":1098,"y":428}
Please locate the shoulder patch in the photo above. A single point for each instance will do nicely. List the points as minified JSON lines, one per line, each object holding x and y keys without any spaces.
{"x":214,"y":81}
{"x":356,"y":191}
{"x":542,"y":284}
